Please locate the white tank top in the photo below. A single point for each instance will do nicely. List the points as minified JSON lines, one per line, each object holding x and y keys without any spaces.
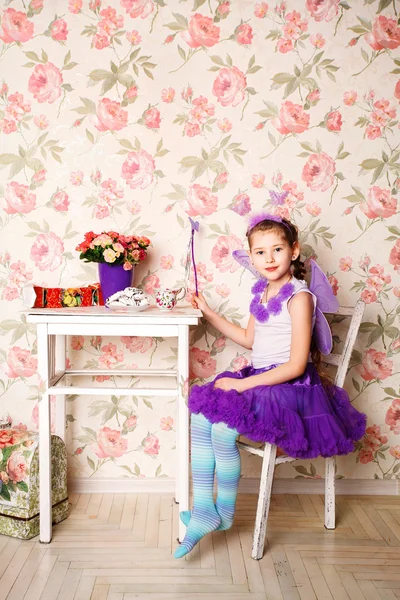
{"x":272,"y":340}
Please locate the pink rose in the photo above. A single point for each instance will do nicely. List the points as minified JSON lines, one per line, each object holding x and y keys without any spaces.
{"x":110,"y":443}
{"x":201,"y":364}
{"x":394,"y":257}
{"x":292,"y":119}
{"x":59,"y":30}
{"x":334,"y":284}
{"x":130,"y":423}
{"x":385,"y":34}
{"x":284,"y":45}
{"x":375,"y":365}
{"x":323,"y":10}
{"x":16,"y":467}
{"x":137,"y":344}
{"x":397,"y":90}
{"x":345,"y":263}
{"x":244,"y":34}
{"x":110,"y":116}
{"x":223,"y":290}
{"x":18,"y":199}
{"x":223,"y":9}
{"x":368,"y":296}
{"x":373,"y":131}
{"x":201,"y":31}
{"x":334,"y":121}
{"x":365,"y":456}
{"x":393,"y":416}
{"x":313,"y":209}
{"x":77,"y":342}
{"x":192,"y":129}
{"x":314,"y":97}
{"x":221,"y":254}
{"x":166,"y":423}
{"x":20,"y":363}
{"x":239,"y":363}
{"x":44,"y":83}
{"x":167,"y":95}
{"x":15,"y":27}
{"x":379,"y":203}
{"x":395,"y":452}
{"x":374,"y":439}
{"x":200,"y":201}
{"x":151,"y":445}
{"x":47,"y":251}
{"x":151,"y":283}
{"x":349,"y":98}
{"x":138,"y":8}
{"x":60,"y":201}
{"x":229,"y":86}
{"x":318,"y":172}
{"x":138,"y":169}
{"x":260,"y":10}
{"x":241,"y":204}
{"x":74,"y":6}
{"x":152,"y":118}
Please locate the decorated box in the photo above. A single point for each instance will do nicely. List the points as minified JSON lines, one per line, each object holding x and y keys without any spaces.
{"x":19,"y":482}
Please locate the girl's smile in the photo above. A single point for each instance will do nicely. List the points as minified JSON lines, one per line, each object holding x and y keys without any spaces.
{"x":272,"y":256}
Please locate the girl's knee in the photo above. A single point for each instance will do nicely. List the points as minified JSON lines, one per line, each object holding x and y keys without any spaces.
{"x":222,"y":430}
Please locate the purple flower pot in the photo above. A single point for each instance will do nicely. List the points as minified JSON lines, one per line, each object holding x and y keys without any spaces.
{"x":113,"y":278}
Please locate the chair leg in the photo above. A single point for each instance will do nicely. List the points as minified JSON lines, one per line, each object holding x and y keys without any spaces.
{"x":330,"y":465}
{"x":264,"y":497}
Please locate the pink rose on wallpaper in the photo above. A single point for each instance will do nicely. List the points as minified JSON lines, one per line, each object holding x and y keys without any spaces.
{"x":16,"y":467}
{"x":385,"y":34}
{"x":200,"y":201}
{"x":229,"y":86}
{"x":137,"y":344}
{"x":138,"y":169}
{"x":77,"y":342}
{"x":260,"y":10}
{"x":60,"y":201}
{"x":151,"y":284}
{"x":44,"y":83}
{"x":221,"y":254}
{"x":47,"y":251}
{"x":394,"y":257}
{"x":152,"y":118}
{"x":20,"y":363}
{"x":292,"y":119}
{"x":318,"y":172}
{"x":375,"y":365}
{"x":334,"y":121}
{"x":368,"y":296}
{"x":167,"y":262}
{"x":393,"y":416}
{"x":192,"y":129}
{"x":18,"y":199}
{"x":166,"y":423}
{"x":15,"y":27}
{"x":284,"y":45}
{"x":59,"y":30}
{"x":201,"y":31}
{"x":323,"y":10}
{"x":379,"y":203}
{"x":151,"y":445}
{"x":167,"y":95}
{"x":349,"y":98}
{"x":110,"y":116}
{"x":110,"y":443}
{"x":373,"y":131}
{"x":241,"y":204}
{"x":223,"y":290}
{"x":138,"y":8}
{"x":130,"y":423}
{"x":239,"y":363}
{"x":397,"y":90}
{"x":201,"y":364}
{"x":224,"y":8}
{"x":74,"y":6}
{"x":345,"y":264}
{"x":244,"y":34}
{"x":334,"y":284}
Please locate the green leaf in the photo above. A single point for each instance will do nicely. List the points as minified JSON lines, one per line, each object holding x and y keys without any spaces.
{"x":7,"y":159}
{"x":90,"y":136}
{"x":371,"y":163}
{"x":356,"y":385}
{"x":281,"y":78}
{"x":99,"y":74}
{"x":90,"y":463}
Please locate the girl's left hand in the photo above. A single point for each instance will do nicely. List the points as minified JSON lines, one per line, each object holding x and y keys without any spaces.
{"x":228,"y":383}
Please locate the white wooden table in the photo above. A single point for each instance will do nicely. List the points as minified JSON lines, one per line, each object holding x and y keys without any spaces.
{"x":53,"y":325}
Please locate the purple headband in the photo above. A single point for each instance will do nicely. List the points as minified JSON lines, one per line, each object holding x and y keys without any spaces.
{"x":259,"y":217}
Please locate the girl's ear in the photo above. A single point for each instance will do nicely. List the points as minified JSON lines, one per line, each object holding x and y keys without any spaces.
{"x":249,"y":253}
{"x":295,"y":251}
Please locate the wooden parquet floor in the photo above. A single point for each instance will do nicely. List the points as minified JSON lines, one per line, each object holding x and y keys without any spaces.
{"x":117,"y":547}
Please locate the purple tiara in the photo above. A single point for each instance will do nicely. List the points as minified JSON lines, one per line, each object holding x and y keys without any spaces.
{"x":259,"y":217}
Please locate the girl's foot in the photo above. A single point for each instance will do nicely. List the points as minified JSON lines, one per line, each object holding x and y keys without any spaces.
{"x":202,"y":521}
{"x":186,"y":515}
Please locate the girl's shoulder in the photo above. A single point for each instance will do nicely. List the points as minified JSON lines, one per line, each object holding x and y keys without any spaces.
{"x":300,"y":285}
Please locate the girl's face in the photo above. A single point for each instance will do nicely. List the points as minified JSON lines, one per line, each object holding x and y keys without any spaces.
{"x":272,"y":255}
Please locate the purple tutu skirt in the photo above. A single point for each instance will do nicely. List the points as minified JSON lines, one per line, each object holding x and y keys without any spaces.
{"x":301,"y":416}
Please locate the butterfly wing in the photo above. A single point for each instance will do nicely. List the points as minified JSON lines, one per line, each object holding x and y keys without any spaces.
{"x":243,"y":259}
{"x":322,"y":333}
{"x":322,"y":289}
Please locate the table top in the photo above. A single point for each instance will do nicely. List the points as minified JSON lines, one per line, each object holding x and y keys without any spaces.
{"x":186,"y":315}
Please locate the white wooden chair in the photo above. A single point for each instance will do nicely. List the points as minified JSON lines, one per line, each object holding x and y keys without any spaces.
{"x":268,"y":452}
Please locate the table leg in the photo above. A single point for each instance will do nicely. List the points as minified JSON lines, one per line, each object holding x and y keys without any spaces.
{"x":60,"y":364}
{"x":183,"y":423}
{"x":45,"y":503}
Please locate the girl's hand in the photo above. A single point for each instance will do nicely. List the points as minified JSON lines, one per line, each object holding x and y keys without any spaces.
{"x":199,"y":302}
{"x":228,"y":383}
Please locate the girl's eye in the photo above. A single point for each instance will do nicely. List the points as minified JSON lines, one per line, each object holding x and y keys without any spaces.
{"x":260,"y":252}
{"x":278,"y":249}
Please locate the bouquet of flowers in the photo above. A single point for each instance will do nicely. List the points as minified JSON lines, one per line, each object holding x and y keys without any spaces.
{"x":113,"y":248}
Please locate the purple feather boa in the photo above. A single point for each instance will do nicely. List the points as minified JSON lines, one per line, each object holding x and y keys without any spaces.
{"x":274,"y":305}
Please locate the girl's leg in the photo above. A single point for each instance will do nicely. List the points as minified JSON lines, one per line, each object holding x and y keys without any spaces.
{"x":227,"y":458}
{"x":204,"y":515}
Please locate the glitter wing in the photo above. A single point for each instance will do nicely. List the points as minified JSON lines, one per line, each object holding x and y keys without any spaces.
{"x":326,"y":302}
{"x":243,"y":259}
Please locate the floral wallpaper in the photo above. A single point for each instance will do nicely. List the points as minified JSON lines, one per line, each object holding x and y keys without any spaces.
{"x":133,"y":115}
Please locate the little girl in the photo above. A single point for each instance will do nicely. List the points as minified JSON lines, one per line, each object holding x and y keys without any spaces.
{"x":279,"y":399}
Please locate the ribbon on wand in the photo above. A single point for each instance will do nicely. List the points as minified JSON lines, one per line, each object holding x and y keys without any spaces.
{"x":190,"y":260}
